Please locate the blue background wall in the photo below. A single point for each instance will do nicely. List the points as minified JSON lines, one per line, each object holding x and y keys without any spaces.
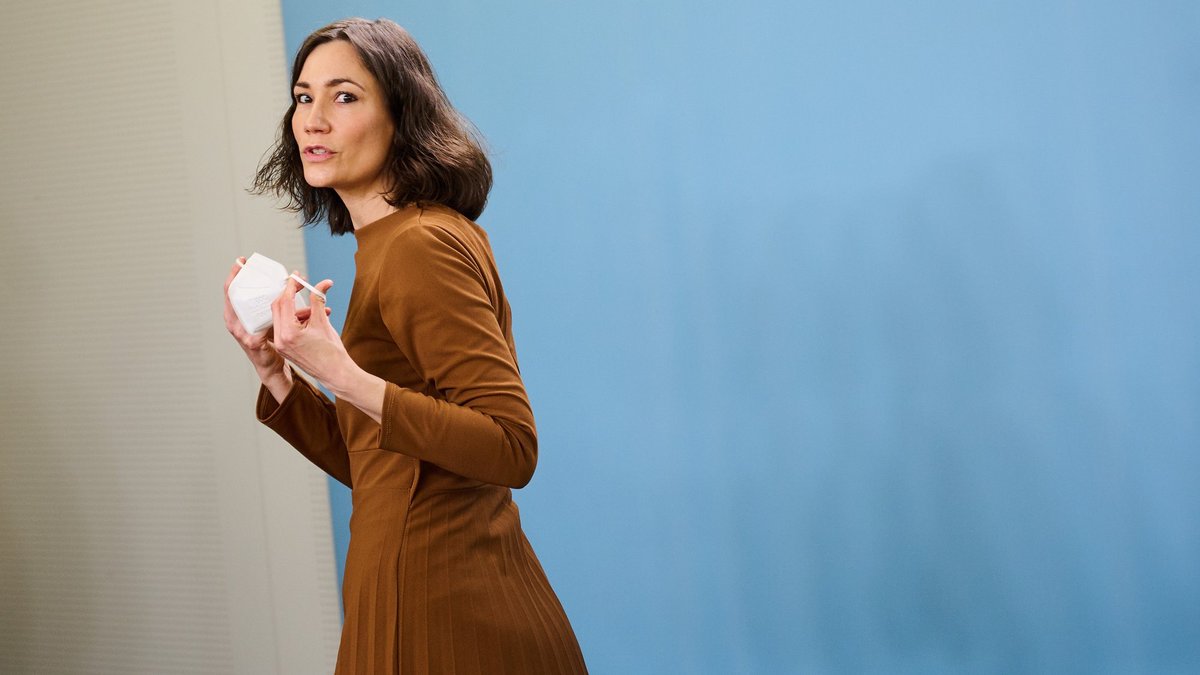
{"x":861,"y":336}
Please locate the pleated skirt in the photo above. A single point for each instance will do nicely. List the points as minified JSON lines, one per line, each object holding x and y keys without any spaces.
{"x":448,"y":584}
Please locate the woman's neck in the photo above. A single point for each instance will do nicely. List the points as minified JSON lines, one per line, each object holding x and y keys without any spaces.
{"x":366,"y":209}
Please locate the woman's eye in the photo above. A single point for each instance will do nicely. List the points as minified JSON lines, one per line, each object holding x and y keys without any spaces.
{"x":303,"y":98}
{"x":345,"y":97}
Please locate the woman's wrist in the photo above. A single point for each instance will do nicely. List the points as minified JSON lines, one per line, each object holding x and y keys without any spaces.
{"x":360,"y":389}
{"x":278,"y":381}
{"x":345,"y":379}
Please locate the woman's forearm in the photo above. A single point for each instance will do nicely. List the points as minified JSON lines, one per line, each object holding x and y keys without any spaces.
{"x":278,"y":381}
{"x":360,"y":389}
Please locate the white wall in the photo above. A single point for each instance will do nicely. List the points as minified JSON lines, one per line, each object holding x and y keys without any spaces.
{"x":147,"y":522}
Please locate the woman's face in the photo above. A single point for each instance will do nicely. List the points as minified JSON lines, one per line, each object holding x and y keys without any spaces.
{"x":342,"y":126}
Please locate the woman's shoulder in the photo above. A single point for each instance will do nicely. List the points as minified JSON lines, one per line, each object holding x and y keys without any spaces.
{"x":420,"y":224}
{"x":435,"y":215}
{"x":430,"y":232}
{"x":439,"y":226}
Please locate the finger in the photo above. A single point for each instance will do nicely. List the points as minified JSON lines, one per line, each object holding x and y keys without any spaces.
{"x":318,"y":302}
{"x":283,"y":312}
{"x":287,"y":298}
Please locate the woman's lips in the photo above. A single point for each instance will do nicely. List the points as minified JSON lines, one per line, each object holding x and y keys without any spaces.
{"x":317,"y":153}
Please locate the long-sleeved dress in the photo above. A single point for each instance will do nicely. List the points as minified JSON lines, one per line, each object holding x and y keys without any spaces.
{"x":439,"y":576}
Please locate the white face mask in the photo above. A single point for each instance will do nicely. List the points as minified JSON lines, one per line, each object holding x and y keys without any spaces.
{"x":256,"y":286}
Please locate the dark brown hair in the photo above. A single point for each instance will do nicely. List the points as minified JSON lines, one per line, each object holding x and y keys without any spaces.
{"x":436,"y":154}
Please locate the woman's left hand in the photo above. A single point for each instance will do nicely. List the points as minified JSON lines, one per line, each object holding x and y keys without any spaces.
{"x":310,"y":341}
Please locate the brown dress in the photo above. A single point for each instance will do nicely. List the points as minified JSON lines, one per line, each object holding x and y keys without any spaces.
{"x":439,"y":576}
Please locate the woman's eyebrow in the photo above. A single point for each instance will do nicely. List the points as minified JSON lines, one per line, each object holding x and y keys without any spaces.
{"x":331,"y":83}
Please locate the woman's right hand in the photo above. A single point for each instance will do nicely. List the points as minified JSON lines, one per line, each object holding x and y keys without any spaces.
{"x":267,"y":362}
{"x":272,"y":369}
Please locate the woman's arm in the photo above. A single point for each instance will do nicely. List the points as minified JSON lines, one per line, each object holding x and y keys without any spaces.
{"x":307,"y":420}
{"x":437,"y":309}
{"x":299,"y":413}
{"x":436,"y":304}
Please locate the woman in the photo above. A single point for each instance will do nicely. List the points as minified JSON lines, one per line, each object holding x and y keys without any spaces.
{"x":432,"y":426}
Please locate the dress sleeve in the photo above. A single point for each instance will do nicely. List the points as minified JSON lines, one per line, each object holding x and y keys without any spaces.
{"x":308,"y":421}
{"x":435,"y":303}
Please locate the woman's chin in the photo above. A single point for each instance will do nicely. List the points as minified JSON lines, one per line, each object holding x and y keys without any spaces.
{"x":317,"y":179}
{"x":320,"y":184}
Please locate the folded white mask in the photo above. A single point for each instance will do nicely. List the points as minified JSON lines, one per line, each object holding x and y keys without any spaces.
{"x":256,"y":286}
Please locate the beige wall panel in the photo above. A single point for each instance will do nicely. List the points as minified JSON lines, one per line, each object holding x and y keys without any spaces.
{"x":148,"y":523}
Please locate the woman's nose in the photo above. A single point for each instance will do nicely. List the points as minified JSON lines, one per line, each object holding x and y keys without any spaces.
{"x":316,"y":122}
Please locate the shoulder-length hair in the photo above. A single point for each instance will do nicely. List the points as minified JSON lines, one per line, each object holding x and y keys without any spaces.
{"x":436,"y":154}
